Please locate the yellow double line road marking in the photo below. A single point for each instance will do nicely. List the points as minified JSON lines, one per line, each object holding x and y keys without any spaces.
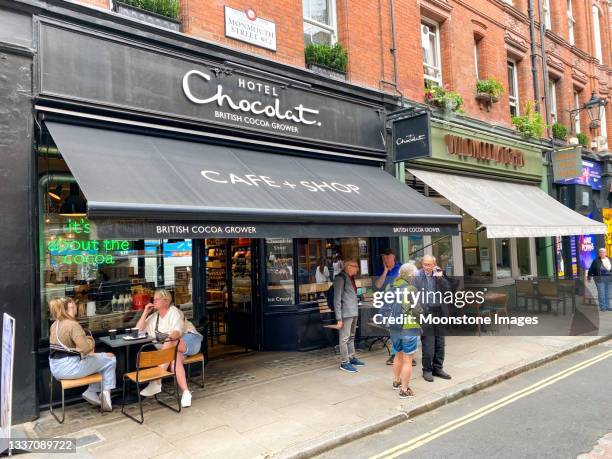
{"x":487,"y":409}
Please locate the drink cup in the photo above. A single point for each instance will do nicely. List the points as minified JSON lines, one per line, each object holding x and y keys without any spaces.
{"x":112,"y":333}
{"x":135,"y":332}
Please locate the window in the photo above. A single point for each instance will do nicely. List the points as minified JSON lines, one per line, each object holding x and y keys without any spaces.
{"x":430,"y":42}
{"x":476,"y":250}
{"x":604,"y":129}
{"x":319,"y":21}
{"x":476,"y":59}
{"x":513,"y":95}
{"x":597,"y":34}
{"x":552,"y":96}
{"x":577,"y":112}
{"x":279,"y":270}
{"x":503,"y":253}
{"x":546,"y":13}
{"x":523,"y":256}
{"x":570,"y":22}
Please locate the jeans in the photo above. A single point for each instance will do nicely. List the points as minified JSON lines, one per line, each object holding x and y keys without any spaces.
{"x":347,"y":338}
{"x":603,"y":292}
{"x":193,"y":342}
{"x":75,"y":367}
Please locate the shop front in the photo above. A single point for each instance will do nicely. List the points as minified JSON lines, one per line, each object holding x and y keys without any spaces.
{"x":498,"y":184}
{"x":239,"y":188}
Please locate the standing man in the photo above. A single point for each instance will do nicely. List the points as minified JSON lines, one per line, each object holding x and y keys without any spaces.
{"x":430,"y":279}
{"x":346,"y":308}
{"x":601,"y":272}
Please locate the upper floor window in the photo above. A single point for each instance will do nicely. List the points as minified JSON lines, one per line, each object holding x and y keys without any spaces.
{"x":319,"y":21}
{"x":552,"y":96}
{"x":513,"y":94}
{"x":432,"y":63}
{"x":597,"y":35}
{"x":570,"y":22}
{"x":476,"y":45}
{"x":546,"y":14}
{"x":577,"y":112}
{"x":604,"y":129}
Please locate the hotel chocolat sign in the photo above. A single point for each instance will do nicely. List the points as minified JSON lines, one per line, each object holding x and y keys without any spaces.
{"x":411,"y":137}
{"x":247,"y":27}
{"x":231,"y":98}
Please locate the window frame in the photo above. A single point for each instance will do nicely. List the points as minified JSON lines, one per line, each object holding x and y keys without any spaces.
{"x":571,"y":23}
{"x":597,"y":34}
{"x":552,"y":99}
{"x":577,"y":112}
{"x":476,"y":59}
{"x":603,"y":130}
{"x":513,"y":104}
{"x":547,"y":15}
{"x":436,"y":27}
{"x":332,"y":28}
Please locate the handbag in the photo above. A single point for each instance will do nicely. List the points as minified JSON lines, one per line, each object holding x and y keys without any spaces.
{"x":60,"y":350}
{"x":160,"y":337}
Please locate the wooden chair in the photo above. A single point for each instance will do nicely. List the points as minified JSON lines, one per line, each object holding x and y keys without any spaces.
{"x":69,"y":384}
{"x":526,"y":290}
{"x":498,"y":303}
{"x":196,"y":358}
{"x":549,"y":292}
{"x":147,"y":370}
{"x":567,"y":288}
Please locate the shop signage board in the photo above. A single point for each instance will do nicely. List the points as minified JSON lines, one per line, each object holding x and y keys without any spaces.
{"x":567,"y":164}
{"x":590,"y":175}
{"x":484,"y":151}
{"x":606,"y":215}
{"x":412,"y":137}
{"x":6,"y":383}
{"x":236,"y":99}
{"x":247,"y":27}
{"x":586,"y":244}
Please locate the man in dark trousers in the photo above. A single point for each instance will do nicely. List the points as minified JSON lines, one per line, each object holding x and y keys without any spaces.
{"x":431,"y":279}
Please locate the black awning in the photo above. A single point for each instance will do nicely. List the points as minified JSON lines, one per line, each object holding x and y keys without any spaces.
{"x":174,"y":183}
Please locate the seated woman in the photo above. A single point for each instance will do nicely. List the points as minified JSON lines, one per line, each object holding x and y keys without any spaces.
{"x":165,"y":321}
{"x":72,"y":353}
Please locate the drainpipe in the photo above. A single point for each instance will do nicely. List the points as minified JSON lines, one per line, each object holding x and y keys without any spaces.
{"x":393,"y":46}
{"x":534,"y":56}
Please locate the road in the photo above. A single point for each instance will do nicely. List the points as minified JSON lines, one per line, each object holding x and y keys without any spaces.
{"x":556,"y":411}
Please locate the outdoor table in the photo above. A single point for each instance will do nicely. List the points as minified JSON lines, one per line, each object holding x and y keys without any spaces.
{"x":119,"y":343}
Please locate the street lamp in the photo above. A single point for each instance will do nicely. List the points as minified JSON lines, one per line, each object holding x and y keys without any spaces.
{"x":594,"y":107}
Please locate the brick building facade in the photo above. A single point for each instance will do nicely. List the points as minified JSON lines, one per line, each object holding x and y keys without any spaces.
{"x":497,"y":31}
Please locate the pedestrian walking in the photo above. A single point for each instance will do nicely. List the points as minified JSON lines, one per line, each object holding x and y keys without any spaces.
{"x":601,"y":272}
{"x":346,"y":308}
{"x":431,"y":279}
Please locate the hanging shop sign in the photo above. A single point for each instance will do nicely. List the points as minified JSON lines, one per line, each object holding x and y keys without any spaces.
{"x":589,"y":175}
{"x":412,"y":137}
{"x":567,"y":164}
{"x":234,"y":98}
{"x":484,"y":151}
{"x":587,"y":250}
{"x":247,"y":27}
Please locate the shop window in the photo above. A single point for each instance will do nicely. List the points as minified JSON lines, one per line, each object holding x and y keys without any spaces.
{"x":442,"y":249}
{"x":597,"y":35}
{"x":314,"y":254}
{"x":503,"y":252}
{"x":513,"y":94}
{"x":319,"y":21}
{"x":476,"y":251}
{"x":279,"y":272}
{"x":571,"y":22}
{"x":432,"y":62}
{"x":523,"y":256}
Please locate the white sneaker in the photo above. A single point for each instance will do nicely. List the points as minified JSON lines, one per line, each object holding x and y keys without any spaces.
{"x":105,"y":400}
{"x":186,"y":399}
{"x":153,"y":388}
{"x":92,"y":397}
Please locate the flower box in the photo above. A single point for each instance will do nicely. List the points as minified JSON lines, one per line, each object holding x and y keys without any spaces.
{"x":326,"y":71}
{"x":146,"y":16}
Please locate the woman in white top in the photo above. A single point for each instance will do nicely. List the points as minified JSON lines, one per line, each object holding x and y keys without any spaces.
{"x":164,"y":321}
{"x":322,"y":272}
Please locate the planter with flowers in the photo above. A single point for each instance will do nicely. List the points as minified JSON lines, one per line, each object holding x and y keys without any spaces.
{"x":531,"y":125}
{"x":444,"y":99}
{"x":488,"y":91}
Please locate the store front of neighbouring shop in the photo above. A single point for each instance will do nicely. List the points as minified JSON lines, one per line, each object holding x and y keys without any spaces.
{"x":223,"y":183}
{"x":499,"y":186}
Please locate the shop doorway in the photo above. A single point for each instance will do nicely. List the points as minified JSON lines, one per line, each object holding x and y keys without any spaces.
{"x":231,"y":296}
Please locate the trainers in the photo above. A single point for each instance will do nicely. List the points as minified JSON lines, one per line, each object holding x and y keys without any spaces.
{"x":408,"y":393}
{"x":92,"y":397}
{"x":186,"y":399}
{"x":390,"y":360}
{"x":153,"y":388}
{"x":397,"y":385}
{"x":347,"y":366}
{"x":105,"y":400}
{"x":356,"y":362}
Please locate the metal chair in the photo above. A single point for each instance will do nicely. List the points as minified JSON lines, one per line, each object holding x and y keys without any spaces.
{"x":194,"y":359}
{"x":69,"y":384}
{"x":147,"y":370}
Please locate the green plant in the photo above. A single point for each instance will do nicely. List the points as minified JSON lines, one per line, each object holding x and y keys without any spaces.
{"x":334,"y":57}
{"x":444,"y":98}
{"x":583,"y":139}
{"x":490,"y":86}
{"x":559,"y":131}
{"x":168,"y":8}
{"x":530,"y":124}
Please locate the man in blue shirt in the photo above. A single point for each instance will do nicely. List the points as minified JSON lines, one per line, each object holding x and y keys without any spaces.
{"x":385,"y":276}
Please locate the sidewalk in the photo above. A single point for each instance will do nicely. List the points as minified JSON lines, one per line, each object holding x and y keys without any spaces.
{"x":297,"y":404}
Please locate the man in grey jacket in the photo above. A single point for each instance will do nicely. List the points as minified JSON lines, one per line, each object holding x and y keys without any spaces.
{"x":346,"y":308}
